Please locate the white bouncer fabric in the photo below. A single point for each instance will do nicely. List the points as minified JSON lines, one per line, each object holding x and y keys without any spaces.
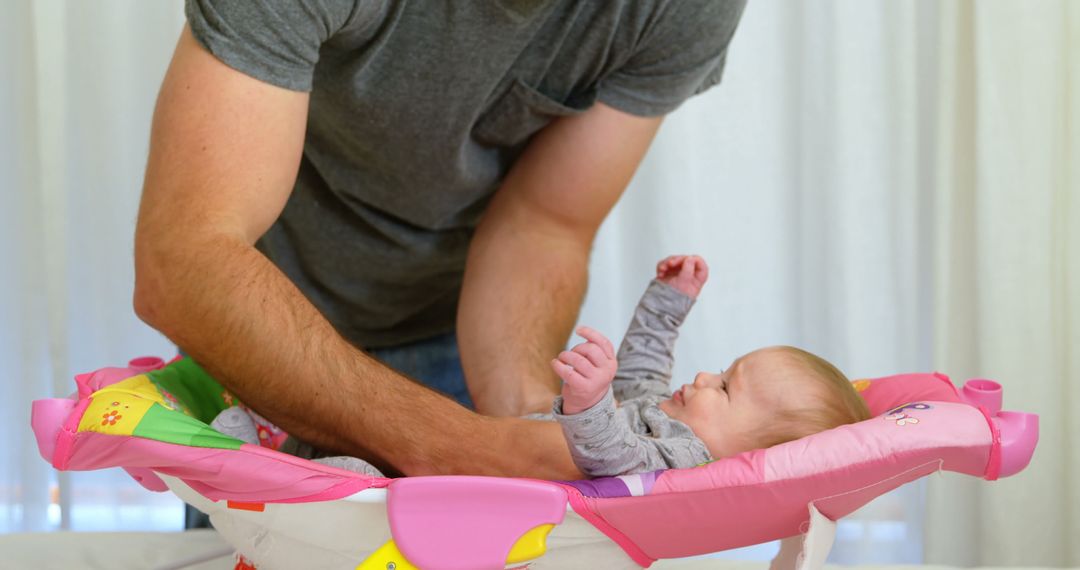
{"x":163,"y":550}
{"x":284,"y":537}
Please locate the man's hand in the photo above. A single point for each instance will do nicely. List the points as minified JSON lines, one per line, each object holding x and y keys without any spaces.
{"x":687,"y":273}
{"x":586,"y":370}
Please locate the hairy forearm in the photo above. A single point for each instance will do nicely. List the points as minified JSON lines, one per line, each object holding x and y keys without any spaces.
{"x":238,"y":316}
{"x":524,"y":283}
{"x":229,"y":308}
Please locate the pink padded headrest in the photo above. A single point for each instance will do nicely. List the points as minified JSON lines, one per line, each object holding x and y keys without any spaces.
{"x":890,"y":392}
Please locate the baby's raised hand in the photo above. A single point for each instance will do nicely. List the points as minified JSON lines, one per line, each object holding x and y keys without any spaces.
{"x":587,"y":370}
{"x":687,"y":273}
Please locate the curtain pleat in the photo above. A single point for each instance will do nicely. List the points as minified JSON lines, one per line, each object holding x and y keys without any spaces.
{"x":76,"y":118}
{"x":1008,"y":259}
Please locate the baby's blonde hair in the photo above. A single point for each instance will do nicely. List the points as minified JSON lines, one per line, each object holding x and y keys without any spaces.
{"x":837,"y":403}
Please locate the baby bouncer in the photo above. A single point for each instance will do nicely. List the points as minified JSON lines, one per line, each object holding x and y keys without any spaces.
{"x":282,"y":512}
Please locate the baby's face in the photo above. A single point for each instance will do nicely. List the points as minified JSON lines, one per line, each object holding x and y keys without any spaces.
{"x":725,"y":409}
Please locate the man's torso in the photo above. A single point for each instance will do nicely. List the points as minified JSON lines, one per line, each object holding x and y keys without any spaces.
{"x":417,"y":111}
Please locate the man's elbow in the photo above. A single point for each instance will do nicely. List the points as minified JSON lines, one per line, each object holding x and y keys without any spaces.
{"x":146,"y":299}
{"x":151,"y":297}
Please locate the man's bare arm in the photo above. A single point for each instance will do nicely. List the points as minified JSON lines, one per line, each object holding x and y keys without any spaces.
{"x":527,"y":267}
{"x":225,"y":149}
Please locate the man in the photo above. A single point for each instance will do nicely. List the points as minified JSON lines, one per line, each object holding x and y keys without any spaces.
{"x":329,"y":177}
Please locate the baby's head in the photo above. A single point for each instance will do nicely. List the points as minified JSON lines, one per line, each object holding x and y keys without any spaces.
{"x":764,"y":398}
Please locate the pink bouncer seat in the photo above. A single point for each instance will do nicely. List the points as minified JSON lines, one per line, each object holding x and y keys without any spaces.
{"x":151,"y":419}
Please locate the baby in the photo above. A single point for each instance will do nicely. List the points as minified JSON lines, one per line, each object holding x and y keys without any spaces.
{"x":619,"y":415}
{"x":764,"y":398}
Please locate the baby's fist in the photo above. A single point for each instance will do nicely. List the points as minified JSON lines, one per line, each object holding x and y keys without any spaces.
{"x":687,"y":273}
{"x":586,"y":370}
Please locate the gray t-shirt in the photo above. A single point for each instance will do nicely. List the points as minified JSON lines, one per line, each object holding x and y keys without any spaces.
{"x":419,"y":108}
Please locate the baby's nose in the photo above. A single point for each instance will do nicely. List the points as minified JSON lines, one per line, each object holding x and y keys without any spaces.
{"x":701,"y":379}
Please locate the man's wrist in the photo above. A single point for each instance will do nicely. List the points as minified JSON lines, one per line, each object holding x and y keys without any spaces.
{"x":500,"y":446}
{"x":536,"y":400}
{"x":525,"y":399}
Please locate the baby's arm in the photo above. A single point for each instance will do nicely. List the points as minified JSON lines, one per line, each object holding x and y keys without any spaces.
{"x":646,"y":354}
{"x":601,"y":439}
{"x":603,"y":444}
{"x":586,"y":371}
{"x":596,"y":435}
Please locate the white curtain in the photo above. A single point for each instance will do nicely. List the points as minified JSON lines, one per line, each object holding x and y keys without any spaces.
{"x":1007,"y":283}
{"x":888,"y":184}
{"x":79,"y":82}
{"x":24,"y":479}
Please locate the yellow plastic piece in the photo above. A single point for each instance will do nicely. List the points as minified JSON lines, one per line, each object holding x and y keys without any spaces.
{"x":532,"y":544}
{"x":387,"y":557}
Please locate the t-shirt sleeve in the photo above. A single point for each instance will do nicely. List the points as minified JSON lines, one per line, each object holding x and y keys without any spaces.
{"x":681,"y":54}
{"x":276,"y":41}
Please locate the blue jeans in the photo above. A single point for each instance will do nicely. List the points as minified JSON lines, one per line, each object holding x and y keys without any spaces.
{"x":435,"y":362}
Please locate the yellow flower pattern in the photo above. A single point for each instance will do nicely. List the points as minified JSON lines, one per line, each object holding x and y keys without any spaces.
{"x":117,"y":409}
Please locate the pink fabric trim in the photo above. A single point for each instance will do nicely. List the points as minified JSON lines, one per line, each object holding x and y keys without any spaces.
{"x":65,"y":440}
{"x":993,"y":465}
{"x":82,"y":385}
{"x":353,"y":482}
{"x":580,"y":505}
{"x":888,"y":392}
{"x":250,"y":474}
{"x":376,"y":482}
{"x":945,"y":378}
{"x":341,"y":490}
{"x":46,"y":418}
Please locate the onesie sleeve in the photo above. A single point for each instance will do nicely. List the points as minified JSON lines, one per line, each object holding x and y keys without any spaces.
{"x":275,"y":41}
{"x":647,"y":352}
{"x":602,"y":443}
{"x":682,"y":53}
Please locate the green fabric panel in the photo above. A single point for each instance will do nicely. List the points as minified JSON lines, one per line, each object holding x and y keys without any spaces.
{"x":163,"y":424}
{"x":199,"y":395}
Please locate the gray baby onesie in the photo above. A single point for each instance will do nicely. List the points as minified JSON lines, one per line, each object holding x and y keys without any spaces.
{"x":636,"y":436}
